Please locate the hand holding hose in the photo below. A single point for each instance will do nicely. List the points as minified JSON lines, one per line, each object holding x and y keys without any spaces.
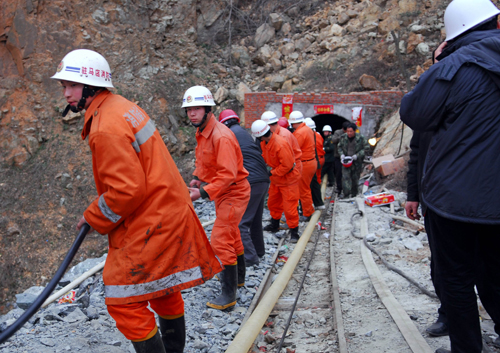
{"x":81,"y":222}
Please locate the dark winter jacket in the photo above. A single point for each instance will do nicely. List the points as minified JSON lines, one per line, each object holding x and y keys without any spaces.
{"x":329,"y":148}
{"x":419,"y":145}
{"x":252,"y":156}
{"x":458,"y":99}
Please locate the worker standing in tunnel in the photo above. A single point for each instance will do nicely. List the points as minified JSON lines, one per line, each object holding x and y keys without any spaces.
{"x":458,"y":94}
{"x":352,"y":148}
{"x":329,"y":147}
{"x":272,"y":120}
{"x":219,"y":163}
{"x":284,"y":192}
{"x":157,"y":246}
{"x":305,"y":137}
{"x":320,"y":159}
{"x":250,"y":226}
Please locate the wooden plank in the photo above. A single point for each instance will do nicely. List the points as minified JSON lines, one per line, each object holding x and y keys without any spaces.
{"x":339,"y":322}
{"x":408,"y":329}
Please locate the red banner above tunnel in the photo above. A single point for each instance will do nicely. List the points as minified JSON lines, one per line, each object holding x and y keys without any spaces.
{"x":323,"y":109}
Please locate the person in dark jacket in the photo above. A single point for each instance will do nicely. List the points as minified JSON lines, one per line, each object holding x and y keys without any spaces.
{"x":419,"y":145}
{"x":250,"y":226}
{"x":458,"y":99}
{"x":329,"y":147}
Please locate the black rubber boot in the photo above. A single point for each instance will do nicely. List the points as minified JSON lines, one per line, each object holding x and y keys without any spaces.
{"x":241,"y":270}
{"x":228,"y":280}
{"x":294,"y":235}
{"x":152,"y":345}
{"x":273,"y":227}
{"x":173,"y":334}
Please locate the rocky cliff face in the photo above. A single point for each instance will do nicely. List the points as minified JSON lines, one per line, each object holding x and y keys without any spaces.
{"x":157,"y":49}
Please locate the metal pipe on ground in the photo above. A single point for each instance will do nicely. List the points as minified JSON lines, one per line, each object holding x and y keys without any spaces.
{"x":249,"y":332}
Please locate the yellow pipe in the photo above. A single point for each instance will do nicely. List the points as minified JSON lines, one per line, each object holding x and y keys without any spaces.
{"x":249,"y":332}
{"x":323,"y":186}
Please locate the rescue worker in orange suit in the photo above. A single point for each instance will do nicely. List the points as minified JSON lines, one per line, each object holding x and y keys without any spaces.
{"x":157,"y":246}
{"x":320,"y":160}
{"x":274,"y":201}
{"x":250,"y":226}
{"x":219,"y":163}
{"x":305,"y":137}
{"x":284,"y":176}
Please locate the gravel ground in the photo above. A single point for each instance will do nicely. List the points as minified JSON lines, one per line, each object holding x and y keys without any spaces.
{"x":85,"y":325}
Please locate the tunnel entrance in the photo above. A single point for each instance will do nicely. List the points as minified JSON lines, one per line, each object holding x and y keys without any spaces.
{"x":335,"y":121}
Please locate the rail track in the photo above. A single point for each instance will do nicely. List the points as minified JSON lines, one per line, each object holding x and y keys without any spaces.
{"x":312,"y":312}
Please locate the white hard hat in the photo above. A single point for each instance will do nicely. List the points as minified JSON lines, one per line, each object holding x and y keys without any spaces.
{"x":197,"y":96}
{"x":462,"y":15}
{"x":310,"y":123}
{"x":269,"y":117}
{"x":295,"y":117}
{"x":86,"y":67}
{"x":327,"y":128}
{"x":259,"y":128}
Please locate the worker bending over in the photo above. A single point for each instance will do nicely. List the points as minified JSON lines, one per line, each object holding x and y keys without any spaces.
{"x":219,"y":163}
{"x":157,"y":246}
{"x":284,"y":193}
{"x":274,"y":202}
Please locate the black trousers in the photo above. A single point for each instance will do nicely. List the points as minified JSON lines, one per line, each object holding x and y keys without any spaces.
{"x":338,"y":174}
{"x":250,"y":226}
{"x":441,"y":312}
{"x":464,"y":255}
{"x":316,"y":192}
{"x":328,"y":169}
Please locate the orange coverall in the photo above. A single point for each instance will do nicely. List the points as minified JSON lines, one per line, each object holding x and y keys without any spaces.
{"x":305,"y":137}
{"x":292,"y":140}
{"x":283,"y":192}
{"x":321,"y":155}
{"x":219,"y":163}
{"x":157,"y":246}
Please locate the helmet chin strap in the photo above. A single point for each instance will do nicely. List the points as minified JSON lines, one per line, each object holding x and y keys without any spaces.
{"x":86,"y":92}
{"x":207,"y":110}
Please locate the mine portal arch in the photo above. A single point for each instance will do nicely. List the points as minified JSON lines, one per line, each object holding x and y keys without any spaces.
{"x":375,"y":104}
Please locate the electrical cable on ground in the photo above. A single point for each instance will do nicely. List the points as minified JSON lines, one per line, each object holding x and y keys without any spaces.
{"x":387,"y":264}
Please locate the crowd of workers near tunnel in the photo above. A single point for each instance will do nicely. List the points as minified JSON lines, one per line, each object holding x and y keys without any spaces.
{"x":158,"y":247}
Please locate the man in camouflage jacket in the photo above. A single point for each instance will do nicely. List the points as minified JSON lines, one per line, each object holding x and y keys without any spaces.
{"x":354,"y":145}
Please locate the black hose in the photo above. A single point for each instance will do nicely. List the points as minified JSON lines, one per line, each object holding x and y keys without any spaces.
{"x":50,"y":287}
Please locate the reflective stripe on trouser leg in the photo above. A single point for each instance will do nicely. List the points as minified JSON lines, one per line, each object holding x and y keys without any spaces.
{"x":137,"y":322}
{"x":308,"y":171}
{"x":229,"y":209}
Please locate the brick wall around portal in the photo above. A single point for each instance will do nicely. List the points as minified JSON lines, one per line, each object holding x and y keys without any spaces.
{"x":379,"y":101}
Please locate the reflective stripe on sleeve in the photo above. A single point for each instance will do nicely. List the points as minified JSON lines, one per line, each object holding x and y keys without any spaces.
{"x":143,"y":135}
{"x":131,"y":290}
{"x":106,"y":211}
